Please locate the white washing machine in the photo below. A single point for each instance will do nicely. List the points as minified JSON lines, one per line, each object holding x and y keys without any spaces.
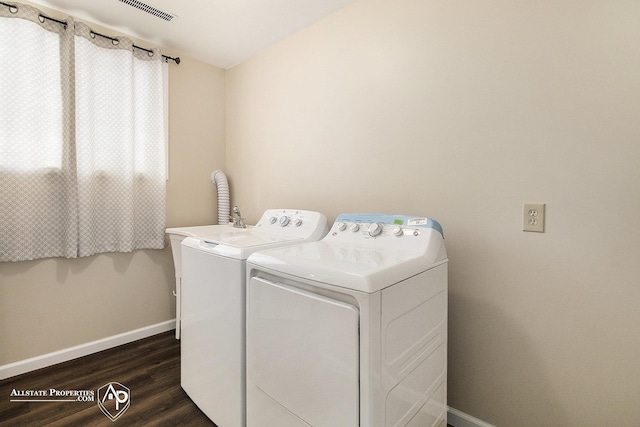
{"x":176,"y":236}
{"x":350,"y":330}
{"x":212,"y":345}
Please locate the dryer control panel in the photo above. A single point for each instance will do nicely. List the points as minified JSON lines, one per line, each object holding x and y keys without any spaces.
{"x":359,"y":225}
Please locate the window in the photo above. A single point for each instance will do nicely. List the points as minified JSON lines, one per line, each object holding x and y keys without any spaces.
{"x":31,"y":131}
{"x":82,"y":141}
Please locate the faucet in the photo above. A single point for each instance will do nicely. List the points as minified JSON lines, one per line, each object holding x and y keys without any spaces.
{"x":239,"y":221}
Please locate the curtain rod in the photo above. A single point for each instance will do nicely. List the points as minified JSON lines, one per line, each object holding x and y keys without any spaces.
{"x":42,"y":17}
{"x":113,"y":39}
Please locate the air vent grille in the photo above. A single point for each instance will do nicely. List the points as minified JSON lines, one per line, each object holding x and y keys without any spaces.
{"x":149,"y":9}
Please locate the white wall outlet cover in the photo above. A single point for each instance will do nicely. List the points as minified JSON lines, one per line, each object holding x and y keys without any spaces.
{"x":533,"y":217}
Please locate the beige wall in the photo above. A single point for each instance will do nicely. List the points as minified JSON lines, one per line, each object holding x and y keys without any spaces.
{"x":196,"y":146}
{"x":463,"y":111}
{"x":53,"y":304}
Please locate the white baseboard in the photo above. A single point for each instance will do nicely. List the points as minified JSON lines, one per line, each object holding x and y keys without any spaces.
{"x":28,"y":365}
{"x":460,"y":419}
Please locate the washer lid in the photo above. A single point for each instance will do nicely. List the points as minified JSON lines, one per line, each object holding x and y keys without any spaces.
{"x":239,"y":244}
{"x":363,"y":267}
{"x":246,"y":238}
{"x":198,"y":230}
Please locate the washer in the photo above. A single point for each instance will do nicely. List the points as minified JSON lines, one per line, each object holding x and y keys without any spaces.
{"x":350,"y":330}
{"x":213,"y":302}
{"x":176,"y":236}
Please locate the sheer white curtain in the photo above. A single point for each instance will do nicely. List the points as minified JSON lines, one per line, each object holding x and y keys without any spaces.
{"x":37,"y":178}
{"x":82,"y":156}
{"x":120,"y":145}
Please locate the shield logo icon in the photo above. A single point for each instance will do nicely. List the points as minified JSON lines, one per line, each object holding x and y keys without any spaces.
{"x":114,"y":399}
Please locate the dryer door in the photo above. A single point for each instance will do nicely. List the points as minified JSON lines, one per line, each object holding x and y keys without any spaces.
{"x":302,"y":358}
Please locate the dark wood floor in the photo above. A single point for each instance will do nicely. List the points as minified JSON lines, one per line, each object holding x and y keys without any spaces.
{"x":150,"y":368}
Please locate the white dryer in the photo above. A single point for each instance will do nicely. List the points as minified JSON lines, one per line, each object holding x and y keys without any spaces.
{"x":212,"y":345}
{"x":350,"y":330}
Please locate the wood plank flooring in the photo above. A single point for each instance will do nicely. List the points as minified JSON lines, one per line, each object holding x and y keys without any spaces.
{"x":150,"y":368}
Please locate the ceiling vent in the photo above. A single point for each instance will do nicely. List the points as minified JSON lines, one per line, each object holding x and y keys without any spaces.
{"x":149,"y":9}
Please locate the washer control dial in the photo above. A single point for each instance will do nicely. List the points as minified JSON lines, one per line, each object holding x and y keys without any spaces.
{"x":342,"y":226}
{"x":397,"y":231}
{"x":354,"y":227}
{"x":272,"y":220}
{"x":375,"y":229}
{"x":297,"y":222}
{"x":284,"y":220}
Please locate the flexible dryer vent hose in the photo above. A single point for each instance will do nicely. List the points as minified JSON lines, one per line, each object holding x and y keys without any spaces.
{"x":220,"y":180}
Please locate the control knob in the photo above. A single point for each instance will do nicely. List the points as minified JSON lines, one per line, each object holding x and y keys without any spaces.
{"x":397,"y":231}
{"x":284,"y":220}
{"x":375,"y":229}
{"x":297,"y":222}
{"x":355,"y":227}
{"x":273,"y":219}
{"x":342,"y":226}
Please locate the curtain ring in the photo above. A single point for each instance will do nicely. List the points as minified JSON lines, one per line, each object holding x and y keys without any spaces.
{"x":92,"y":34}
{"x":13,"y":9}
{"x":115,"y":42}
{"x":150,"y":54}
{"x":41,"y":18}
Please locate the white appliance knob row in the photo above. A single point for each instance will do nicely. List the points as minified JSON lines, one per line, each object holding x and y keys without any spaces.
{"x":375,"y":229}
{"x":284,"y":220}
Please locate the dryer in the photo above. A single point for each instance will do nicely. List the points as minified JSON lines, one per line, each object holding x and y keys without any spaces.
{"x":350,"y":330}
{"x":212,"y":345}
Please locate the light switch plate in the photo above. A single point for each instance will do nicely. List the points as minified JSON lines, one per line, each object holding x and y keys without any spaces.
{"x":533,"y":217}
